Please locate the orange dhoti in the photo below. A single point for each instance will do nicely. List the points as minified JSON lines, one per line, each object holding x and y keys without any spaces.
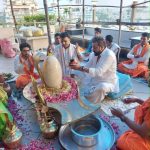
{"x":130,"y":140}
{"x":139,"y":71}
{"x":24,"y":79}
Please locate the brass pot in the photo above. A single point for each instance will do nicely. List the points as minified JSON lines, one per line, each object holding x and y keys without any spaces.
{"x":49,"y":129}
{"x":12,"y":137}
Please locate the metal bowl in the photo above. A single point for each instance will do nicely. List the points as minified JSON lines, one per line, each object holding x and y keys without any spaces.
{"x":85,"y":132}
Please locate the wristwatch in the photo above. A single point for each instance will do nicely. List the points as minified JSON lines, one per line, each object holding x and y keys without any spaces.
{"x":82,"y":68}
{"x":122,"y":118}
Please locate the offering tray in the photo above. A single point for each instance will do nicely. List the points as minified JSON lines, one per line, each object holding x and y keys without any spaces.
{"x":71,"y":110}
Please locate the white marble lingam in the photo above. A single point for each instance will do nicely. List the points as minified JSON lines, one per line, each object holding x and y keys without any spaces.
{"x":50,"y":72}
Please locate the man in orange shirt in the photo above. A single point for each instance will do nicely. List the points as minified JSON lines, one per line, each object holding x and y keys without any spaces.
{"x":136,"y":66}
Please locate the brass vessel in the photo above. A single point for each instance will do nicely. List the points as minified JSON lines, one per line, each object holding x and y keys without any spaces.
{"x":49,"y":128}
{"x":12,"y":135}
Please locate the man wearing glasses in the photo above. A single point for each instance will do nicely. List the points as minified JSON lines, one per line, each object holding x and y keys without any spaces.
{"x":24,"y":66}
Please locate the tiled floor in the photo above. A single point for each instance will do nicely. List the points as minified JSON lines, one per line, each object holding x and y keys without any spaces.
{"x":140,"y":90}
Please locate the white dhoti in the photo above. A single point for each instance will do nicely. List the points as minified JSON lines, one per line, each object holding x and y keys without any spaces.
{"x":94,"y":92}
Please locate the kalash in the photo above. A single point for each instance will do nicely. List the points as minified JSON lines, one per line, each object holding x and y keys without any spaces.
{"x":52,"y":88}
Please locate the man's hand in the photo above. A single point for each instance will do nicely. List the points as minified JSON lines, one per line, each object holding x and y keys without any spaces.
{"x":75,"y":67}
{"x":129,"y":100}
{"x":77,"y":47}
{"x":117,"y":112}
{"x":137,"y":56}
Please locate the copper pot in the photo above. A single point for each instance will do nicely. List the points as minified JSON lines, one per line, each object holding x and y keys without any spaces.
{"x":49,"y":129}
{"x":12,"y":137}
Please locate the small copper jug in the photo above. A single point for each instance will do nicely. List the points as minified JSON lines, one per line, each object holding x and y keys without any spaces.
{"x":49,"y":128}
{"x":12,"y":135}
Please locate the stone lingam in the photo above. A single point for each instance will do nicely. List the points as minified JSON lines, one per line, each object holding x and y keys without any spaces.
{"x":53,"y":86}
{"x":50,"y":73}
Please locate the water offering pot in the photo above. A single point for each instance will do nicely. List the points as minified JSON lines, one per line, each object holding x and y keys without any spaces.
{"x":12,"y":137}
{"x":49,"y":128}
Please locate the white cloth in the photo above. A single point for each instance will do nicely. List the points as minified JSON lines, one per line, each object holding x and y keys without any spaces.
{"x":144,"y":59}
{"x":18,"y":67}
{"x":114,"y":47}
{"x":102,"y":77}
{"x":64,"y":56}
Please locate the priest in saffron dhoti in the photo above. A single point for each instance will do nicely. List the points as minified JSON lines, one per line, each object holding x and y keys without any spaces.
{"x":65,"y":52}
{"x":24,"y":66}
{"x":138,"y":136}
{"x":136,"y":66}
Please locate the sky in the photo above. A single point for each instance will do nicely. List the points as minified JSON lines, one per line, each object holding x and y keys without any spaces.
{"x":99,"y":2}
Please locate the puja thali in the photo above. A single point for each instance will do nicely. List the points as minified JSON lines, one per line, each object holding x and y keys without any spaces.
{"x":8,"y":76}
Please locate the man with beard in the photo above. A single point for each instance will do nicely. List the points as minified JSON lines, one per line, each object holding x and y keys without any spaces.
{"x":24,"y":66}
{"x":99,"y":73}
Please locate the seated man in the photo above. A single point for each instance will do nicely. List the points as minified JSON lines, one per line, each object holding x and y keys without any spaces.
{"x":111,"y":45}
{"x":57,"y":41}
{"x":139,"y":55}
{"x":24,"y":66}
{"x":138,"y":138}
{"x":65,"y":52}
{"x":97,"y":34}
{"x":100,"y":72}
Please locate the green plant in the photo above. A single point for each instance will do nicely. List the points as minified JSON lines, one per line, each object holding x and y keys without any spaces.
{"x":39,"y":18}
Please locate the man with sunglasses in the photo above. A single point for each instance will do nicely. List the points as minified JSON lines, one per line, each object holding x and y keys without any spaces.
{"x":24,"y":66}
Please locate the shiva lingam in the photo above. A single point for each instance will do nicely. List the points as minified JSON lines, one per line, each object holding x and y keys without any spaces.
{"x":49,"y":118}
{"x":50,"y":71}
{"x":12,"y":135}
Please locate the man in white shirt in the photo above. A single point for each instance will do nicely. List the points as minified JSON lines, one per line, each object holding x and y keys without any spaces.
{"x":51,"y":48}
{"x":100,"y":72}
{"x":112,"y":46}
{"x":65,"y":52}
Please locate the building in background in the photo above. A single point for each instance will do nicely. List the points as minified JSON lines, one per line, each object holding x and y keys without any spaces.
{"x":20,"y":7}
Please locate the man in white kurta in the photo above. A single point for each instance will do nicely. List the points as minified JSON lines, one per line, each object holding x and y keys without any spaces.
{"x":65,"y":52}
{"x":100,"y":72}
{"x":111,"y":45}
